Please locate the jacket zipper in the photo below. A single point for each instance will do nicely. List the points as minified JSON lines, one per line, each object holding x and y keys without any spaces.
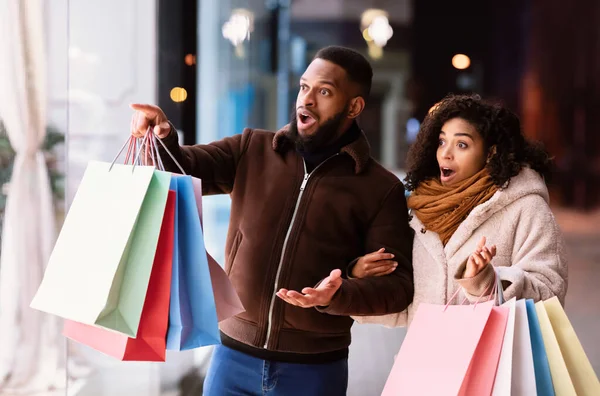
{"x":284,"y":248}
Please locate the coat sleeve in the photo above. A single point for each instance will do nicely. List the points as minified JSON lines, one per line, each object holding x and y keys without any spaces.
{"x":385,"y":294}
{"x":215,"y":163}
{"x":538,"y":267}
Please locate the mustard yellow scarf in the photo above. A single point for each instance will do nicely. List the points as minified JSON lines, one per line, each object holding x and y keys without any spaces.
{"x":442,"y":209}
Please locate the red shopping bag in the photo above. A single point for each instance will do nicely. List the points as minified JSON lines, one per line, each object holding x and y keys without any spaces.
{"x":150,"y":343}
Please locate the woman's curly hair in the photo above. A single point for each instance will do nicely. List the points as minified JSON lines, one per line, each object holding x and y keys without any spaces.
{"x":497,"y":125}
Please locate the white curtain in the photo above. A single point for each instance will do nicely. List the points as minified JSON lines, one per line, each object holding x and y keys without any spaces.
{"x":30,"y":340}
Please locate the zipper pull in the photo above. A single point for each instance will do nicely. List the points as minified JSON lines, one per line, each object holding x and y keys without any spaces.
{"x":304,"y":182}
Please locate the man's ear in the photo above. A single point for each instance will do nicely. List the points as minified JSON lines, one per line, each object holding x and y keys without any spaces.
{"x":357,"y":105}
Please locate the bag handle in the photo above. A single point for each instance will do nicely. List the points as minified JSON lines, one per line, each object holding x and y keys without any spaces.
{"x":133,"y":143}
{"x":152,"y":149}
{"x":497,"y":293}
{"x":155,"y":139}
{"x":149,"y":147}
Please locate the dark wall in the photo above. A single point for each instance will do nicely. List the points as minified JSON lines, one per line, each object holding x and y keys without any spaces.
{"x":539,"y":57}
{"x":561,"y":94}
{"x":492,"y":34}
{"x":177,"y":21}
{"x":442,"y":29}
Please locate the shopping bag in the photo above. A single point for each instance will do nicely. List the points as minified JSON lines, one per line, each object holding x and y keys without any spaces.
{"x":99,"y":270}
{"x":561,"y":381}
{"x":438,"y":349}
{"x":480,"y":377}
{"x":499,"y":289}
{"x":192,"y":315}
{"x":227,"y":301}
{"x":523,"y":372}
{"x":580,"y":369}
{"x":543,"y":379}
{"x":503,"y":381}
{"x":150,"y":343}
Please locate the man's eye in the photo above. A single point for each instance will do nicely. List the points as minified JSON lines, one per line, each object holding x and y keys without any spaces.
{"x":324,"y":92}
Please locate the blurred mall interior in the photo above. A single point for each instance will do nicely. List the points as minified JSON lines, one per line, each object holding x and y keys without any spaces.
{"x":216,"y":67}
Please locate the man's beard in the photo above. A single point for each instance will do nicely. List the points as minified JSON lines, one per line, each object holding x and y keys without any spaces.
{"x":321,"y":138}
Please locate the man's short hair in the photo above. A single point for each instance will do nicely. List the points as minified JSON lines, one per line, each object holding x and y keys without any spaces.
{"x":357,"y":67}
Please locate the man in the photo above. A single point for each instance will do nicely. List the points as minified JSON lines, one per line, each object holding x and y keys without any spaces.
{"x":307,"y":202}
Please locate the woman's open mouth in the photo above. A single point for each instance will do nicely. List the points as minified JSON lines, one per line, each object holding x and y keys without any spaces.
{"x":446,"y":174}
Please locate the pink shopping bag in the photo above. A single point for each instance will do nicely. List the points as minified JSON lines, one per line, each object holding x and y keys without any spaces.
{"x":437,"y":350}
{"x":449,"y":350}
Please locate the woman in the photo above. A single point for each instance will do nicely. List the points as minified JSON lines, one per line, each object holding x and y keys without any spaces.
{"x":478,"y":202}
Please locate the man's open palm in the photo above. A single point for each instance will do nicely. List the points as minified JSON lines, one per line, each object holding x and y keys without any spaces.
{"x":314,"y":297}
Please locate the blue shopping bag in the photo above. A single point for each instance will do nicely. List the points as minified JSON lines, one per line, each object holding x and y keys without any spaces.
{"x":192,"y":314}
{"x":543,"y":379}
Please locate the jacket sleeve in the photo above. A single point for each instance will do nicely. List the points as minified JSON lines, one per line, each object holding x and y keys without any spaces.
{"x":385,"y":294}
{"x":538,"y":267}
{"x":481,"y":284}
{"x":214,"y":163}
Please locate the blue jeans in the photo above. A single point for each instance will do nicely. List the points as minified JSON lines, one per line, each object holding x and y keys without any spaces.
{"x":234,"y":373}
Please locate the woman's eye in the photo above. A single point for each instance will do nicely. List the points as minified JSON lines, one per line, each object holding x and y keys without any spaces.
{"x":440,"y":142}
{"x":462,"y":145}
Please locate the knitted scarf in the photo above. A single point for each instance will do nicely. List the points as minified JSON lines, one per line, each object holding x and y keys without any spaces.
{"x":442,"y":209}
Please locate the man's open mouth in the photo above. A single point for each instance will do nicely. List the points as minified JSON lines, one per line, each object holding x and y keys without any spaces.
{"x":304,"y":116}
{"x":305,"y":119}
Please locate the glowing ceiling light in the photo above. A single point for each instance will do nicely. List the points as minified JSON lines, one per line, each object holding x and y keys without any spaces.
{"x":239,"y":26}
{"x":461,"y":61}
{"x":190,"y":59}
{"x":178,"y":94}
{"x":380,"y":30}
{"x":375,"y":26}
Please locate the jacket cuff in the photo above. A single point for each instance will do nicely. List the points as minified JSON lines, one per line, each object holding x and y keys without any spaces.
{"x":172,"y":137}
{"x":479,"y":284}
{"x":337,"y":303}
{"x":350,"y":267}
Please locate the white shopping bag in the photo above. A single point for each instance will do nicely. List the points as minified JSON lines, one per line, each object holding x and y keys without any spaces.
{"x":502,"y":383}
{"x":523,"y":374}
